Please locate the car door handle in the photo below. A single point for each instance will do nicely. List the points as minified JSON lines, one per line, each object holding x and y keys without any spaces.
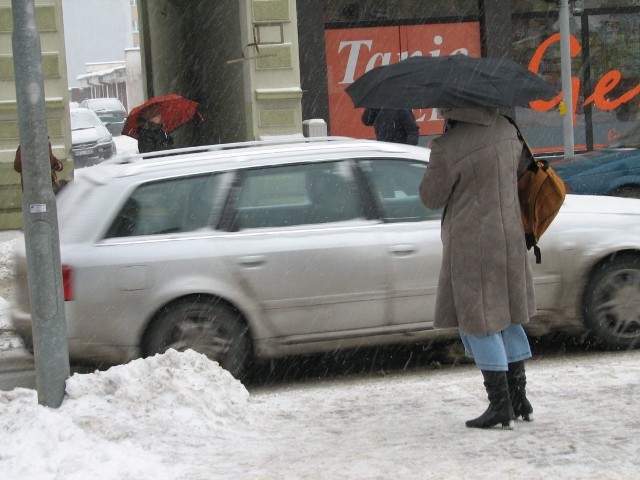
{"x":403,"y":250}
{"x":252,"y":261}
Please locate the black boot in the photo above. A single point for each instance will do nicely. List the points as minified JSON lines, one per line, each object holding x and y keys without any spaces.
{"x":499,"y":411}
{"x":517,"y":381}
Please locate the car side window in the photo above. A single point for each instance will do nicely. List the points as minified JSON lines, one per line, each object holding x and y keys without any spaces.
{"x":396,"y":183}
{"x":297,"y":195}
{"x":167,"y":206}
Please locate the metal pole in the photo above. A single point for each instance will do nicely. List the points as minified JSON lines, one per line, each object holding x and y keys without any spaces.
{"x":565,"y":70}
{"x":39,"y":212}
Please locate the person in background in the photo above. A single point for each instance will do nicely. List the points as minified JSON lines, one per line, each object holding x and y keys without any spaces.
{"x":151,"y":137}
{"x":56,"y":166}
{"x":485,"y":288}
{"x":397,"y":126}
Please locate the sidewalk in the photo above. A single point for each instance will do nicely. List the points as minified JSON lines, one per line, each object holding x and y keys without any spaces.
{"x":7,"y":235}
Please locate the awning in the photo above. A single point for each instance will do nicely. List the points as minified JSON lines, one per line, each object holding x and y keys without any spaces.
{"x":106,"y":76}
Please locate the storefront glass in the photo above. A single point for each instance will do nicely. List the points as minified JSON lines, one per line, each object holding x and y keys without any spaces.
{"x":341,"y":11}
{"x":605,"y":60}
{"x":577,"y":6}
{"x":614,"y":45}
{"x":605,"y":77}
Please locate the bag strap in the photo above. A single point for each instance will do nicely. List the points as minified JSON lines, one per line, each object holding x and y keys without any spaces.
{"x":539,"y":179}
{"x":525,"y":144}
{"x":537,"y":253}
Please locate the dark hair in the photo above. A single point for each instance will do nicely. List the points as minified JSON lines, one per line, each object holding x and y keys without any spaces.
{"x":150,"y":112}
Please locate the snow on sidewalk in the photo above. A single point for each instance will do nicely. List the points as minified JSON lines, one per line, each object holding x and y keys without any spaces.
{"x":178,"y":415}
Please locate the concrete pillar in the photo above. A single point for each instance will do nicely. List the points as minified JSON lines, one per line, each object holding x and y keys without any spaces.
{"x":315,"y":100}
{"x":271,"y":68}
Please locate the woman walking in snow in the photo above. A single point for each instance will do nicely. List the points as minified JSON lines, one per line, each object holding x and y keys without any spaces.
{"x":485,"y":287}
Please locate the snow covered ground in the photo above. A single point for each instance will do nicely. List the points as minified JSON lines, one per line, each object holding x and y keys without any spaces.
{"x":180,"y":416}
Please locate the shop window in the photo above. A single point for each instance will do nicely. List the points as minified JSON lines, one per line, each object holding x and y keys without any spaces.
{"x":350,"y":11}
{"x":605,"y":73}
{"x":608,"y":3}
{"x":614,"y":43}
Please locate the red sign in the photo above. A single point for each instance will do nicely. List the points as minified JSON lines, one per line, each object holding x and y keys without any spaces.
{"x":352,"y":52}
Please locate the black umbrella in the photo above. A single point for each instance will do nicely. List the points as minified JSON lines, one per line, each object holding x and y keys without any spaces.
{"x":456,"y":81}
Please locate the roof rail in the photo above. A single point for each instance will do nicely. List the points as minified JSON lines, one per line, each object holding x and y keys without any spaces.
{"x":130,"y":158}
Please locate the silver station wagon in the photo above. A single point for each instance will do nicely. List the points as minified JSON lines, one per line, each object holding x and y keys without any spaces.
{"x":263,"y":249}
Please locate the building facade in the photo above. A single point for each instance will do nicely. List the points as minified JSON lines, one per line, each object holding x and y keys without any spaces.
{"x":352,"y":37}
{"x":259,"y":67}
{"x":49,"y":24}
{"x":239,"y":59}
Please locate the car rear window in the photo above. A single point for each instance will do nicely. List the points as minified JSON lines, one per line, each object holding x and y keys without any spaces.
{"x":168,"y":206}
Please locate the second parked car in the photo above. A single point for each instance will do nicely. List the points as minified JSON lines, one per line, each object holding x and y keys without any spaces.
{"x":614,"y":170}
{"x":91,"y":142}
{"x":110,"y":110}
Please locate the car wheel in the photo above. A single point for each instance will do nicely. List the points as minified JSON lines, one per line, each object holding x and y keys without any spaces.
{"x":612,"y":303}
{"x":629,"y":191}
{"x":214,"y":330}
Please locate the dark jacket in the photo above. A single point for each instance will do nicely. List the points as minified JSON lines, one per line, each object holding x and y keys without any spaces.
{"x":153,"y":139}
{"x":397,"y":126}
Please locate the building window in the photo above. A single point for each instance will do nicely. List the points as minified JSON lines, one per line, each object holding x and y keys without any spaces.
{"x":134,"y":25}
{"x":133,"y":2}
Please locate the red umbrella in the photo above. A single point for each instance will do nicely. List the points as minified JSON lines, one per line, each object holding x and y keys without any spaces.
{"x":174,"y":109}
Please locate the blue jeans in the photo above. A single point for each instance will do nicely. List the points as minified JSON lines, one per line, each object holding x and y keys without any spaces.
{"x":496,"y":351}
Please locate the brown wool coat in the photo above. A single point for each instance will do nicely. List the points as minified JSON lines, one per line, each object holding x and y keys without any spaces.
{"x":485,"y":279}
{"x":56,"y":165}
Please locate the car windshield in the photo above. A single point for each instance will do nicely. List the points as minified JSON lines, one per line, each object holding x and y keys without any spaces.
{"x":84,"y":119}
{"x":105,"y":104}
{"x":629,"y":139}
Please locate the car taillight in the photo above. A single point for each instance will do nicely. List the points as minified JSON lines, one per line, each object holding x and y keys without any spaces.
{"x":67,"y":282}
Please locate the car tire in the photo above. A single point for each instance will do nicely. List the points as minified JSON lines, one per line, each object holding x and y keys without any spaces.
{"x":629,"y":191}
{"x":611,"y":306}
{"x":213,"y":329}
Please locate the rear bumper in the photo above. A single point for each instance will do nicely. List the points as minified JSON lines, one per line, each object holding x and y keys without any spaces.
{"x":79,"y":350}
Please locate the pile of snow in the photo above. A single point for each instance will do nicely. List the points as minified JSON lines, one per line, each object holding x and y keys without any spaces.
{"x":110,"y":420}
{"x":8,"y":241}
{"x":6,"y":257}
